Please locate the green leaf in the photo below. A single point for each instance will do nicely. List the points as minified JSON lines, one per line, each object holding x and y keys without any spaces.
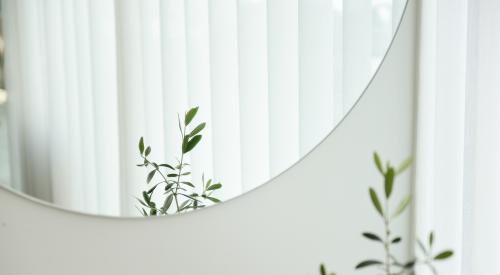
{"x":197,"y":129}
{"x":409,"y":264}
{"x":150,"y":191}
{"x":402,"y":206}
{"x":141,"y":202}
{"x":378,"y":163}
{"x":322,"y":270}
{"x":172,"y":175}
{"x":216,"y":200}
{"x":396,"y":240}
{"x":141,"y":145}
{"x":376,"y":201}
{"x":190,"y":115}
{"x":168,"y":201}
{"x":187,"y":183}
{"x":185,"y":204}
{"x":191,"y":144}
{"x":209,"y":182}
{"x":372,"y":236}
{"x":152,"y":212}
{"x":168,"y":186}
{"x":185,"y":141}
{"x":389,"y":181}
{"x":431,"y":238}
{"x":145,"y":196}
{"x":214,"y":187}
{"x":444,"y":255}
{"x":368,"y":263}
{"x":404,"y":165}
{"x":166,"y":165}
{"x":151,"y":175}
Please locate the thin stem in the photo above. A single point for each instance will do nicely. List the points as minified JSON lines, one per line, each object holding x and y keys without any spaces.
{"x":181,"y":163}
{"x":387,"y":239}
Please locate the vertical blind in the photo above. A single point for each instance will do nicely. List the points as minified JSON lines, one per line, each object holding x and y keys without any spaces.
{"x":458,"y":133}
{"x":87,"y":78}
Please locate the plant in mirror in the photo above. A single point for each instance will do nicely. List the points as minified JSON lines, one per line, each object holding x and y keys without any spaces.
{"x":390,"y":264}
{"x":176,"y":194}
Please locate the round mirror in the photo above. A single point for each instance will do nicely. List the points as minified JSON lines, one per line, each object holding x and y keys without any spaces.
{"x":131,"y":108}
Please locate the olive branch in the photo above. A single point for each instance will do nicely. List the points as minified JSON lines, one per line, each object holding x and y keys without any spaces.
{"x":179,"y":195}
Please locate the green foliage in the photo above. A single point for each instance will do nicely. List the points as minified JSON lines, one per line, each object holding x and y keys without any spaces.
{"x":390,"y":265}
{"x":322,"y":270}
{"x":177,"y":194}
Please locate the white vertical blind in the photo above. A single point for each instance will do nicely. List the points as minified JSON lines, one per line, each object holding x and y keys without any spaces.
{"x":88,"y":78}
{"x":225,"y":100}
{"x":283,"y":83}
{"x":253,"y":92}
{"x":357,"y":49}
{"x":198,"y":68}
{"x":315,"y":71}
{"x":458,"y":134}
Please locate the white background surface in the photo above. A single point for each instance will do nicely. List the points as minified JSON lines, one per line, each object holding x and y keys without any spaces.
{"x":312,"y":213}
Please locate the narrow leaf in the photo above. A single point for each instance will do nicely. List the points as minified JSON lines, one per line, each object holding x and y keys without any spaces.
{"x":146,"y":197}
{"x":185,"y":142}
{"x":151,"y":175}
{"x":190,"y":115}
{"x":141,"y":145}
{"x":368,"y":263}
{"x":184,"y":205}
{"x":376,"y":201}
{"x":214,"y":187}
{"x":141,"y":202}
{"x":404,"y":165}
{"x":431,"y":238}
{"x":378,"y":163}
{"x":389,"y":181}
{"x":402,"y":206}
{"x":410,"y":264}
{"x":167,"y":202}
{"x":148,"y":150}
{"x":191,"y":143}
{"x":372,"y":236}
{"x":396,"y":240}
{"x":152,"y":189}
{"x":166,"y":165}
{"x":216,"y":200}
{"x":322,"y":270}
{"x":444,"y":255}
{"x":187,"y":183}
{"x":197,"y":129}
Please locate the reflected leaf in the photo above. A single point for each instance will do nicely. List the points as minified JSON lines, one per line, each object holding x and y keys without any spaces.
{"x":190,"y":115}
{"x":368,"y":263}
{"x":376,"y":201}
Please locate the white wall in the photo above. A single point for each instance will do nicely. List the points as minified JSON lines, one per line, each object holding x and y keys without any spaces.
{"x":313,"y":212}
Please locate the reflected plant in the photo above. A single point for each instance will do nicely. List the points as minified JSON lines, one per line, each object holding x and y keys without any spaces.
{"x":178,"y":194}
{"x":391,"y":265}
{"x":322,"y":270}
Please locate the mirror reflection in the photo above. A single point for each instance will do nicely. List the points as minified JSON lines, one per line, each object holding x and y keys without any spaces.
{"x":134,"y":108}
